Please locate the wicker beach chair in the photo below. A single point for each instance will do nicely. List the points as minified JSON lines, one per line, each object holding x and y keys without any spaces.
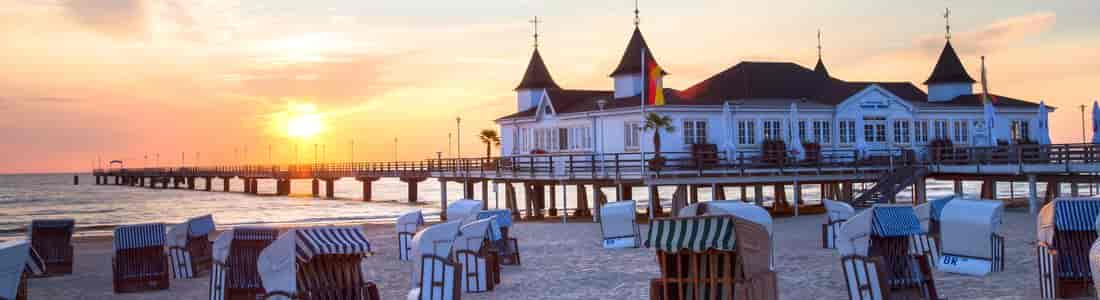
{"x":407,"y":225}
{"x":236,"y":252}
{"x":317,"y":263}
{"x":836,"y":213}
{"x":618,"y":225}
{"x":882,"y":257}
{"x":464,"y":211}
{"x":189,"y":247}
{"x":139,"y":262}
{"x":480,"y":268}
{"x":505,"y":246}
{"x":929,"y":214}
{"x":1066,"y":233}
{"x":717,"y":256}
{"x":18,"y":262}
{"x":52,"y":239}
{"x":964,"y":250}
{"x":436,"y":275}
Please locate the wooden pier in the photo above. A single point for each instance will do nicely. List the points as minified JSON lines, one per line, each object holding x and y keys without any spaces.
{"x":835,"y":172}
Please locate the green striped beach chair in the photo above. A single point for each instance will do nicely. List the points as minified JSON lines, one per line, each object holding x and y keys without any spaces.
{"x":884,"y":255}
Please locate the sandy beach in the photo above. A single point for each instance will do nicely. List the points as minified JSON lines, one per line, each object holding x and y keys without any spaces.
{"x":565,"y":261}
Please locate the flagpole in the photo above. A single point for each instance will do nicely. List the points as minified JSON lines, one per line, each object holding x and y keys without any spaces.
{"x":641,"y":145}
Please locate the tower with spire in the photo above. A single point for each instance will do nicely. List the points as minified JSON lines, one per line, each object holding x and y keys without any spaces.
{"x":949,"y":78}
{"x":628,"y":74}
{"x":537,"y":79}
{"x":820,"y":67}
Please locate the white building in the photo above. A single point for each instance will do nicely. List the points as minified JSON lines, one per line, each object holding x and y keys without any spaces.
{"x":895,"y":115}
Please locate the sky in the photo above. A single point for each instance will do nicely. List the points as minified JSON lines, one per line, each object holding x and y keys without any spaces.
{"x":201,"y":81}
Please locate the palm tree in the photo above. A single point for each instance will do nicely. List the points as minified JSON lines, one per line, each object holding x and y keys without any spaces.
{"x":656,"y":122}
{"x":490,"y":138}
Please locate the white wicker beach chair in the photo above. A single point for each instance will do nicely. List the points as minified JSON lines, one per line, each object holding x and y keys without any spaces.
{"x":478,"y":266}
{"x":436,"y":276}
{"x":617,"y":223}
{"x":407,"y":225}
{"x":1065,"y":236}
{"x":189,"y":247}
{"x":464,"y":211}
{"x":880,"y":255}
{"x":18,"y":261}
{"x":324,"y":262}
{"x":139,"y":262}
{"x":970,"y":232}
{"x":836,"y":213}
{"x":234,"y":274}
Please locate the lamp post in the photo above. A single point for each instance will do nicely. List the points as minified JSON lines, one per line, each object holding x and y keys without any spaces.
{"x":395,"y":149}
{"x":458,"y":133}
{"x":1083,"y":124}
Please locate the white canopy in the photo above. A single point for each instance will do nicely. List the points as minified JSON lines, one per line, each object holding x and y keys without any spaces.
{"x":861,"y":139}
{"x":178,"y":234}
{"x":1040,"y":131}
{"x":854,"y":237}
{"x":965,"y":226}
{"x":729,"y":145}
{"x":409,"y":221}
{"x":14,"y":258}
{"x":472,"y":236}
{"x":838,"y":211}
{"x":617,"y":218}
{"x":794,"y":144}
{"x":464,"y":210}
{"x":276,"y":264}
{"x":731,"y":207}
{"x":1095,"y":123}
{"x":435,"y":240}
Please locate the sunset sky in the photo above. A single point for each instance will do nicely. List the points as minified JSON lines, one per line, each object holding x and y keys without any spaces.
{"x":122,"y":79}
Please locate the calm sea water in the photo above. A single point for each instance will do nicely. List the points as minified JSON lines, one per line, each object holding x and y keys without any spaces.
{"x":97,"y":209}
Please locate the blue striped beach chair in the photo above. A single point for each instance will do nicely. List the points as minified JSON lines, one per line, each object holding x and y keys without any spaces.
{"x":317,"y":263}
{"x":884,"y":255}
{"x":52,"y":239}
{"x":234,"y":274}
{"x":717,"y":256}
{"x":1066,"y":233}
{"x":18,"y":261}
{"x":139,"y":262}
{"x":407,"y":225}
{"x":189,"y":247}
{"x":436,"y":275}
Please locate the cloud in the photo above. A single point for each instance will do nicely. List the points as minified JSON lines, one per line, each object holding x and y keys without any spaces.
{"x":124,"y":19}
{"x":336,"y":79}
{"x":995,"y":35}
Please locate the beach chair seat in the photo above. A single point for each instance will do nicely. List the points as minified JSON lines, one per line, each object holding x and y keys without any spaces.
{"x":437,"y":275}
{"x":317,"y":263}
{"x":971,"y":240}
{"x":407,"y":224}
{"x":18,"y":262}
{"x":52,"y":239}
{"x":189,"y":247}
{"x":618,"y":225}
{"x":234,"y":274}
{"x":139,"y":261}
{"x":885,"y":255}
{"x":480,"y":268}
{"x":1066,"y":232}
{"x":836,"y":213}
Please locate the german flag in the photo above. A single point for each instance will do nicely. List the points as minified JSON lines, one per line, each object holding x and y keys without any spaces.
{"x":654,"y":92}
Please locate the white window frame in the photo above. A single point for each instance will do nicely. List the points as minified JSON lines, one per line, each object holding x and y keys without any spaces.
{"x":847,"y":130}
{"x":632,"y":135}
{"x":961,"y":132}
{"x":920,"y":132}
{"x":822,"y":132}
{"x":692,"y":132}
{"x":773,"y":130}
{"x":940,"y":130}
{"x":746,"y":132}
{"x":901,"y":132}
{"x":1019,"y":130}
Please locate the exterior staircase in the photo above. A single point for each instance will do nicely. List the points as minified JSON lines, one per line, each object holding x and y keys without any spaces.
{"x":888,"y":187}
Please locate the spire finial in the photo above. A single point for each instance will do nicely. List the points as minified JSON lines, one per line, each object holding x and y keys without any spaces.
{"x":637,"y":17}
{"x":535,"y":22}
{"x":947,"y":21}
{"x":819,"y":43}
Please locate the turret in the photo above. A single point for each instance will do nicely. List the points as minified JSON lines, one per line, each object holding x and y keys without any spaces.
{"x":949,"y":78}
{"x":628,"y":75}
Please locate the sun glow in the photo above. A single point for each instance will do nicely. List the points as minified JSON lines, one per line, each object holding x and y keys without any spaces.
{"x":303,"y":121}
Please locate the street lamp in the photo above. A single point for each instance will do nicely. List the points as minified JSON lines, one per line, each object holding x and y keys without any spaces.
{"x":458,"y":132}
{"x":395,"y":149}
{"x":1083,"y":123}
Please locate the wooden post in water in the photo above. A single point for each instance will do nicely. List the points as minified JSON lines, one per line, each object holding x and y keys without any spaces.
{"x":442,"y":200}
{"x":412,"y":182}
{"x":330,"y":188}
{"x":367,"y":183}
{"x":582,"y":202}
{"x":1032,"y":194}
{"x":958,"y":188}
{"x":627,"y":192}
{"x":655,"y":209}
{"x":316,"y":187}
{"x":76,"y":179}
{"x":693,"y":193}
{"x":758,"y":194}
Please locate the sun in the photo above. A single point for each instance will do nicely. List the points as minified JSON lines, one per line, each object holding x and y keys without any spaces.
{"x":303,"y":121}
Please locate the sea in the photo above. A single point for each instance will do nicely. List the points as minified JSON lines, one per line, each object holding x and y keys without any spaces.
{"x":97,"y":209}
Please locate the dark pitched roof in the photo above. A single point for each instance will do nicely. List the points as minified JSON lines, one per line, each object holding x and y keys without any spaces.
{"x":949,"y":69}
{"x":976,"y":100}
{"x":758,"y":80}
{"x":631,"y":61}
{"x":537,"y":75}
{"x":820,"y":68}
{"x":568,"y":101}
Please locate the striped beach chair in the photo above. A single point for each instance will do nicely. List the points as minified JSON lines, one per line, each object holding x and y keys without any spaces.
{"x":189,"y":247}
{"x":407,"y":225}
{"x":480,"y":267}
{"x":52,"y":239}
{"x":436,"y":275}
{"x":618,"y":225}
{"x":836,"y":213}
{"x":718,"y":256}
{"x":505,"y":246}
{"x":884,"y":255}
{"x":1066,"y":233}
{"x":964,"y":250}
{"x":139,"y":262}
{"x":234,"y":274}
{"x":18,"y":261}
{"x":318,"y":263}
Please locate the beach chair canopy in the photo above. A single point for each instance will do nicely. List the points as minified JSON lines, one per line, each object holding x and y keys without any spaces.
{"x":59,"y":224}
{"x":740,"y":209}
{"x":696,"y":234}
{"x":15,"y":257}
{"x":503,"y":216}
{"x":967,"y":224}
{"x":139,"y":236}
{"x":243,"y":233}
{"x":463,"y":210}
{"x":617,"y":219}
{"x":838,"y":211}
{"x":435,"y":240}
{"x":193,"y":227}
{"x":409,"y":221}
{"x":1067,"y":214}
{"x":880,"y":220}
{"x":471,"y":236}
{"x":936,"y":206}
{"x":277,"y":262}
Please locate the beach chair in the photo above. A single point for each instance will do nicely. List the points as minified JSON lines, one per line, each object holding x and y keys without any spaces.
{"x":617,"y":223}
{"x":480,"y":270}
{"x":740,"y":209}
{"x":189,"y":247}
{"x":719,"y":256}
{"x":407,"y":224}
{"x":18,"y":262}
{"x":464,"y":211}
{"x":1066,"y":232}
{"x":234,"y":274}
{"x":52,"y":239}
{"x":317,"y":263}
{"x":139,"y":262}
{"x":836,"y":213}
{"x":929,"y":214}
{"x":964,"y":223}
{"x":505,"y":246}
{"x":882,"y":257}
{"x":436,"y":276}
